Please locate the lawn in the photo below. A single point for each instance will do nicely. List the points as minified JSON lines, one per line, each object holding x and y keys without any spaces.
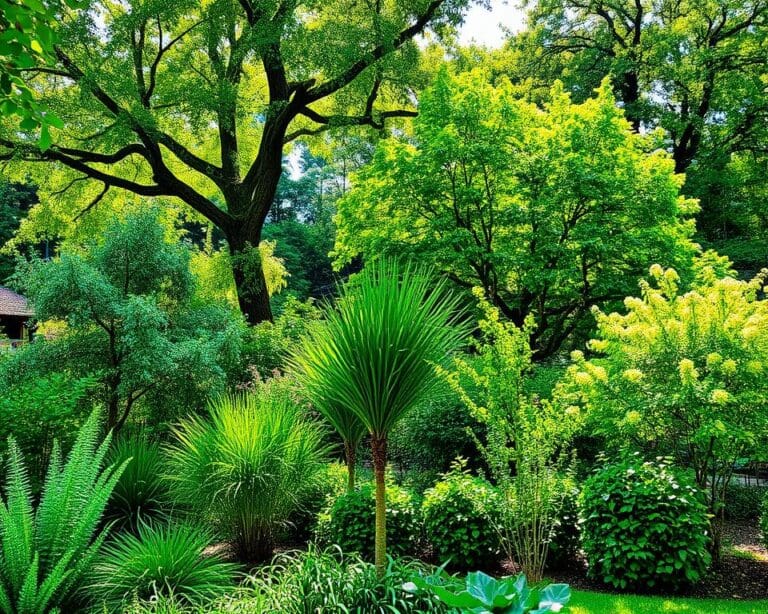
{"x":603,"y":603}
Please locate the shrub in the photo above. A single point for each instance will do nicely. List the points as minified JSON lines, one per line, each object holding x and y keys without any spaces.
{"x":331,"y":483}
{"x":743,"y":502}
{"x":249,"y":466}
{"x":433,"y":434}
{"x":47,"y":549}
{"x":141,"y":493}
{"x":644,"y":525}
{"x":160,"y":560}
{"x":348,"y":522}
{"x":39,"y":410}
{"x":564,"y":540}
{"x":457,"y":521}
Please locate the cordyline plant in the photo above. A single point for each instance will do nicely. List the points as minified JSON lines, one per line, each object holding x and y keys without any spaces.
{"x":375,"y":357}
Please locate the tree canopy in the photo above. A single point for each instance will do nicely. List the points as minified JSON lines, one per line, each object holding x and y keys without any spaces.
{"x":551,"y":211}
{"x":197,"y":101}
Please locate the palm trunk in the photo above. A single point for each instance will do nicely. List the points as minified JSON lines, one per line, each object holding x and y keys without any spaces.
{"x":350,"y":454}
{"x":379,"y":451}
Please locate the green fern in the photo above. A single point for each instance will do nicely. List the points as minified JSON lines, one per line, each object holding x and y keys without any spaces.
{"x":47,"y":550}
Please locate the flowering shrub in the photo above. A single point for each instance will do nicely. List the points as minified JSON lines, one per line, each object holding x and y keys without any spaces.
{"x":683,"y":374}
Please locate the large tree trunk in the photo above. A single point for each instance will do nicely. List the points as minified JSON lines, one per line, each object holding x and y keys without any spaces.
{"x":248,"y":271}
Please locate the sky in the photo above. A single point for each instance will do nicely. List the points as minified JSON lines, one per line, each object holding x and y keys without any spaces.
{"x":484,"y":26}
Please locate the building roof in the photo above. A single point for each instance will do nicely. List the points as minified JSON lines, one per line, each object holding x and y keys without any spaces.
{"x":12,"y":304}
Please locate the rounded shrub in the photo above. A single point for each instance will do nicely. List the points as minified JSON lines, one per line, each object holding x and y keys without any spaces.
{"x":743,"y":502}
{"x":162,"y":560}
{"x":644,"y":525}
{"x":330,"y":484}
{"x":457,"y":514}
{"x":349,"y":521}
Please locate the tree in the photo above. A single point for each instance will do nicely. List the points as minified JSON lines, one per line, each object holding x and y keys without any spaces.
{"x":550,"y":211}
{"x":692,"y":67}
{"x":199,"y":101}
{"x":682,"y":374}
{"x":126,"y":302}
{"x":376,"y":357}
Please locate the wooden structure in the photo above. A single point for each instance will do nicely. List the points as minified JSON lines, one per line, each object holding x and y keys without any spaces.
{"x":15,"y":315}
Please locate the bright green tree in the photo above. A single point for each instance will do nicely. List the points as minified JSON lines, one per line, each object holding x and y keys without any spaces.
{"x":376,"y":357}
{"x":682,"y":374}
{"x":125,"y":301}
{"x":695,"y":68}
{"x":550,"y":211}
{"x":198,"y":101}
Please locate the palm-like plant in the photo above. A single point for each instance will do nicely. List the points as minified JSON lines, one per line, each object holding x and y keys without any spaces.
{"x":375,"y":357}
{"x":46,"y":551}
{"x":249,"y":466}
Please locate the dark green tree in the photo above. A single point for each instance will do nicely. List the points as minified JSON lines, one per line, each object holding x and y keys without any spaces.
{"x":126,"y":302}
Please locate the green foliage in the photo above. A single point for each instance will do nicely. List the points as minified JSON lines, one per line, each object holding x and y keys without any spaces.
{"x":480,"y":593}
{"x":126,"y":300}
{"x":40,"y":409}
{"x":349,"y":521}
{"x":743,"y":502}
{"x":331,"y":483}
{"x":48,"y":547}
{"x":764,"y":520}
{"x":549,"y":211}
{"x":458,"y":523}
{"x":266,"y":346}
{"x":248,"y":466}
{"x":329,"y":581}
{"x":15,"y":202}
{"x":644,"y":525}
{"x":160,"y":560}
{"x":682,"y":374}
{"x":527,"y":437}
{"x":564,"y":540}
{"x":399,"y":324}
{"x":673,"y":65}
{"x":141,"y":494}
{"x":27,"y":40}
{"x":433,"y":434}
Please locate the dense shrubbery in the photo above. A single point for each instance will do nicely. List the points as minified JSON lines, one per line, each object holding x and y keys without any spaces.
{"x":565,"y":537}
{"x":330,"y":484}
{"x":249,"y":466}
{"x":743,"y":502}
{"x":458,"y":521}
{"x":764,"y":520}
{"x":644,"y":526}
{"x":160,"y":560}
{"x":349,"y":521}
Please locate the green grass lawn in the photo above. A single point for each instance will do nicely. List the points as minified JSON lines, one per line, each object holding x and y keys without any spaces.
{"x":583,"y":602}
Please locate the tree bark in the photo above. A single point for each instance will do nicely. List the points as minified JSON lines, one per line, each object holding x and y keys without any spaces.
{"x":250,"y":281}
{"x":379,"y":452}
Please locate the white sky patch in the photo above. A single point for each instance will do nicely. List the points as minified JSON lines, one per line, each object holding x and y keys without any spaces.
{"x":487,"y":26}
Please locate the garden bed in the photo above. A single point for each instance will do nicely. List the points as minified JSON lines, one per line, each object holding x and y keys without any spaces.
{"x":742,"y":573}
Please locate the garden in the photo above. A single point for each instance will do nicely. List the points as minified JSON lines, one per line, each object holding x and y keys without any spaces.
{"x":316,"y":307}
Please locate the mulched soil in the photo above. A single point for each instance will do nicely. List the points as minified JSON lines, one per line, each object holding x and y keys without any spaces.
{"x":735,"y":577}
